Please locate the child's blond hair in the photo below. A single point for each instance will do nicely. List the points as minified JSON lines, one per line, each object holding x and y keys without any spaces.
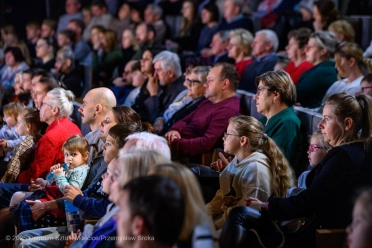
{"x":13,"y":109}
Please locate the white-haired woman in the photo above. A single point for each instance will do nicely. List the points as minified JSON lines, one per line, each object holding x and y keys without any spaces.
{"x":55,"y":109}
{"x":240,"y":49}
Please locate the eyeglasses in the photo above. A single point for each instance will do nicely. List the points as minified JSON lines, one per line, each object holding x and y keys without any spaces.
{"x":42,"y":104}
{"x":313,"y":147}
{"x":226,"y":135}
{"x":368,"y":87}
{"x":192,"y":82}
{"x":261,"y":89}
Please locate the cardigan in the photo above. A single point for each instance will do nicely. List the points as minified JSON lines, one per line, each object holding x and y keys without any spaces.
{"x":284,"y":129}
{"x":251,"y":177}
{"x":203,"y":128}
{"x":48,"y":150}
{"x":314,"y":83}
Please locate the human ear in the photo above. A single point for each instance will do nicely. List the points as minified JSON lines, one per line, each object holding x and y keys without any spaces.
{"x":348,"y":123}
{"x":244,"y":141}
{"x":138,"y":225}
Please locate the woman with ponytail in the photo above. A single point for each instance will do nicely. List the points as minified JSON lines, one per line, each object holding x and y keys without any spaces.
{"x":347,"y":126}
{"x":258,"y":170}
{"x":349,"y":64}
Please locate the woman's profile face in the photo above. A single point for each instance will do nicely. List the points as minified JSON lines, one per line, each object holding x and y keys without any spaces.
{"x":126,"y":39}
{"x":264,"y":98}
{"x":187,"y":10}
{"x":9,"y":59}
{"x":313,"y":52}
{"x":343,"y":66}
{"x":234,"y":48}
{"x":146,"y":62}
{"x":359,"y":231}
{"x":331,"y":131}
{"x":41,"y":48}
{"x":292,"y":49}
{"x":206,"y":16}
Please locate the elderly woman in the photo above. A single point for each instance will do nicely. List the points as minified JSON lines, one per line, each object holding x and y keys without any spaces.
{"x":297,"y":41}
{"x":195,"y":81}
{"x":275,"y":97}
{"x":240,"y":49}
{"x":346,"y":126}
{"x":314,"y":83}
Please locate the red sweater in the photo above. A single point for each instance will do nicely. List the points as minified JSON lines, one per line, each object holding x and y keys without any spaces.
{"x":240,"y":66}
{"x":204,"y":127}
{"x":296,"y":72}
{"x":48,"y":150}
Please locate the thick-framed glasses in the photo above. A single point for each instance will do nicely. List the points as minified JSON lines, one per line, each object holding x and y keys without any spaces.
{"x":226,"y":135}
{"x":192,"y":82}
{"x":312,"y":148}
{"x":367,"y":87}
{"x":259,"y":89}
{"x":44,"y":103}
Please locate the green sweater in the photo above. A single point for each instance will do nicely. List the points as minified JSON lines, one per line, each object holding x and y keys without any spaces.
{"x":314,"y":83}
{"x":284,"y":129}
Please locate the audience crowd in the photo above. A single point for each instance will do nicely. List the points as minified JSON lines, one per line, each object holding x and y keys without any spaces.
{"x":124,"y":110}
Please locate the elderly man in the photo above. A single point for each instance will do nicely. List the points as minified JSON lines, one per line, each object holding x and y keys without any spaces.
{"x":233,"y":17}
{"x":68,"y":74}
{"x":200,"y":131}
{"x":165,"y":85}
{"x":218,"y":48}
{"x":153,"y":15}
{"x":264,"y":46}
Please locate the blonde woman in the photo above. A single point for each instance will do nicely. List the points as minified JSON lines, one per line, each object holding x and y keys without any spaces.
{"x":258,"y":170}
{"x":240,"y":49}
{"x":343,"y":30}
{"x":197,"y":230}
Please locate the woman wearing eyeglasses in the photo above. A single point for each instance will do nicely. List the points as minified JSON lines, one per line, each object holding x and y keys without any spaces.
{"x":347,"y":126}
{"x":275,"y":97}
{"x":366,"y":85}
{"x":314,"y":83}
{"x":258,"y":170}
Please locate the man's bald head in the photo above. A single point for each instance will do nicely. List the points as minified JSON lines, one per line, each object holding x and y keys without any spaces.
{"x":105,"y":97}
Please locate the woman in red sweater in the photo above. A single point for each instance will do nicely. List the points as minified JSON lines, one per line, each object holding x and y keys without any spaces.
{"x":297,"y":41}
{"x":55,"y":109}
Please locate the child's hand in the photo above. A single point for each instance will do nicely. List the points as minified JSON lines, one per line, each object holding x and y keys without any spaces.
{"x":72,"y":237}
{"x":54,"y":167}
{"x":3,"y":143}
{"x":58,"y":171}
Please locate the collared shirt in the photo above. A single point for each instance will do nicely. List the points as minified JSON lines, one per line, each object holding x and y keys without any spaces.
{"x":265,"y":57}
{"x":238,"y":17}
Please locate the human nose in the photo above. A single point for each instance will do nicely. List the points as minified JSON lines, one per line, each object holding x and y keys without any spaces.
{"x":320,"y":124}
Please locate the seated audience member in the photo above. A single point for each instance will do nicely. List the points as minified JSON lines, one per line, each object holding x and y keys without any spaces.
{"x":325,"y":12}
{"x":349,"y":64}
{"x":162,"y":213}
{"x":17,"y":86}
{"x":318,"y":148}
{"x":72,"y":8}
{"x":104,"y":63}
{"x":87,"y":15}
{"x":81,"y":48}
{"x":201,"y":130}
{"x":41,"y":85}
{"x":297,"y":42}
{"x":366,"y":85}
{"x":48,"y":31}
{"x":14,"y":63}
{"x":122,"y":20}
{"x":346,"y":126}
{"x":9,"y":137}
{"x":254,"y":172}
{"x":66,"y":38}
{"x":343,"y":30}
{"x":359,"y":230}
{"x":138,"y":79}
{"x":99,"y":17}
{"x":165,"y":85}
{"x":153,"y":15}
{"x":123,"y":85}
{"x":264,"y":46}
{"x":209,"y":17}
{"x":28,"y":125}
{"x":314,"y":83}
{"x":68,"y":74}
{"x":45,"y":52}
{"x":197,"y":229}
{"x":145,"y":35}
{"x":275,"y":97}
{"x":195,"y":81}
{"x":186,"y":41}
{"x":240,"y":49}
{"x":233,"y":17}
{"x":282,"y":63}
{"x":25,"y":96}
{"x":129,"y":49}
{"x":217,"y":52}
{"x":33,"y":31}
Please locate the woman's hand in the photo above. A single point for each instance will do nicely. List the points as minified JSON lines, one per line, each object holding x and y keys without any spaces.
{"x":253,"y":203}
{"x":221,"y":163}
{"x":38,"y":184}
{"x":171,"y":135}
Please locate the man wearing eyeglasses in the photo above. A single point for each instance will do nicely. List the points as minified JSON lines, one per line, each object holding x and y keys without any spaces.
{"x":202,"y":130}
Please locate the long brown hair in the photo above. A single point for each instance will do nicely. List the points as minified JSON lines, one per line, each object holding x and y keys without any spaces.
{"x":282,"y":174}
{"x":123,"y":114}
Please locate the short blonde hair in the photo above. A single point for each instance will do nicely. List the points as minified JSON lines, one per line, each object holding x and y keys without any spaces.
{"x":343,"y":27}
{"x":13,"y":109}
{"x":243,"y":37}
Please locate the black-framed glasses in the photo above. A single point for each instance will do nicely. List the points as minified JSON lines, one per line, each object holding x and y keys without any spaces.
{"x":44,"y":103}
{"x":313,"y":147}
{"x":367,"y":87}
{"x":259,"y":89}
{"x":226,"y":135}
{"x":192,"y":82}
